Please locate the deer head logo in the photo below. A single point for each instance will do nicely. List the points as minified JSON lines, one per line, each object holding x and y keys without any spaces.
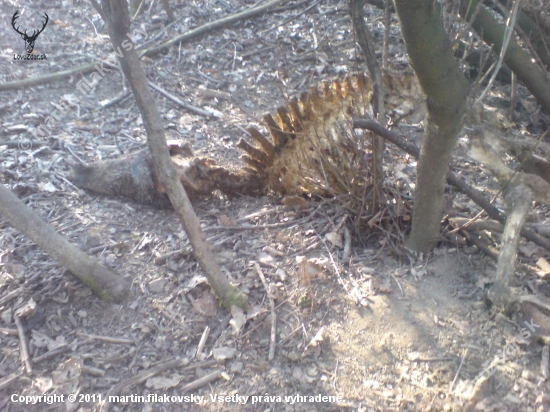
{"x":29,"y":40}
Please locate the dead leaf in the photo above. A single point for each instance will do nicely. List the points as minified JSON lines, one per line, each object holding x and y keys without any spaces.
{"x":282,"y":238}
{"x":272,"y":251}
{"x":15,"y":269}
{"x":238,"y":321}
{"x":314,"y":345}
{"x":307,"y":269}
{"x":254,"y":311}
{"x":544,"y":266}
{"x":66,"y":378}
{"x":27,"y":309}
{"x":196,"y":281}
{"x":295,"y":201}
{"x":418,"y":273}
{"x":335,"y":238}
{"x":47,"y":187}
{"x":413,"y":356}
{"x":358,"y":296}
{"x":42,"y":384}
{"x":223,"y":353}
{"x":463,"y":326}
{"x":385,"y":285}
{"x":206,"y":305}
{"x":205,"y":93}
{"x":59,"y":23}
{"x":6,"y":316}
{"x":42,"y":340}
{"x":483,"y":281}
{"x":264,"y":258}
{"x":157,"y":285}
{"x":529,"y":249}
{"x":313,"y":269}
{"x":161,"y":382}
{"x":226,"y":221}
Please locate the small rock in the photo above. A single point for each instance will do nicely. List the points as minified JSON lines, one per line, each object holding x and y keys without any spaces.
{"x":236,"y":367}
{"x":293,"y":356}
{"x":157,"y":285}
{"x":527,"y":374}
{"x":312,"y":371}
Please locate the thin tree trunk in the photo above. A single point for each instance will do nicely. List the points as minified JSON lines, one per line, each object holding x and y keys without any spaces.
{"x":366,"y":43}
{"x":516,"y":58}
{"x":101,"y":280}
{"x":477,"y":196}
{"x":118,"y":18}
{"x":446,"y":90}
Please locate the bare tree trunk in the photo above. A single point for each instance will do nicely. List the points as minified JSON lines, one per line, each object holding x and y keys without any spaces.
{"x":101,"y":280}
{"x":516,"y":58}
{"x":532,"y":29}
{"x":474,"y":194}
{"x":446,"y":91}
{"x":366,"y":43}
{"x":118,"y":19}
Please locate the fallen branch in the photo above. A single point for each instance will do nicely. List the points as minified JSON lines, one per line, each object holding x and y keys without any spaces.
{"x":12,"y":295}
{"x":476,"y":226}
{"x":36,"y":81}
{"x":474,"y":194}
{"x":210,"y":26}
{"x":490,"y":225}
{"x":4,"y":383}
{"x":518,"y":199}
{"x":157,"y":370}
{"x":519,"y":189}
{"x":87,"y":68}
{"x":98,"y":278}
{"x":273,"y":336}
{"x":472,"y":237}
{"x":23,"y":347}
{"x":199,"y":383}
{"x":202,"y":112}
{"x":19,"y":144}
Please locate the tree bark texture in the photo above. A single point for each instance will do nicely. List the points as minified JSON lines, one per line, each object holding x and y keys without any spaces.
{"x":446,"y":90}
{"x":118,"y":18}
{"x":477,"y":196}
{"x":533,"y":31}
{"x":366,"y":42}
{"x":101,"y":280}
{"x":516,"y":58}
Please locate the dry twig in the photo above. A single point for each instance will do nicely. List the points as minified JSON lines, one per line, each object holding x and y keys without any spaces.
{"x":273,"y":337}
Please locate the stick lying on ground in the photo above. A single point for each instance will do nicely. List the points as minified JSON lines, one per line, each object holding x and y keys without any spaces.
{"x":519,"y":190}
{"x":100,"y":279}
{"x":452,"y":179}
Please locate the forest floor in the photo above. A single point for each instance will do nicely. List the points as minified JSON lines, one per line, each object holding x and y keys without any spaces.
{"x":379,"y":332}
